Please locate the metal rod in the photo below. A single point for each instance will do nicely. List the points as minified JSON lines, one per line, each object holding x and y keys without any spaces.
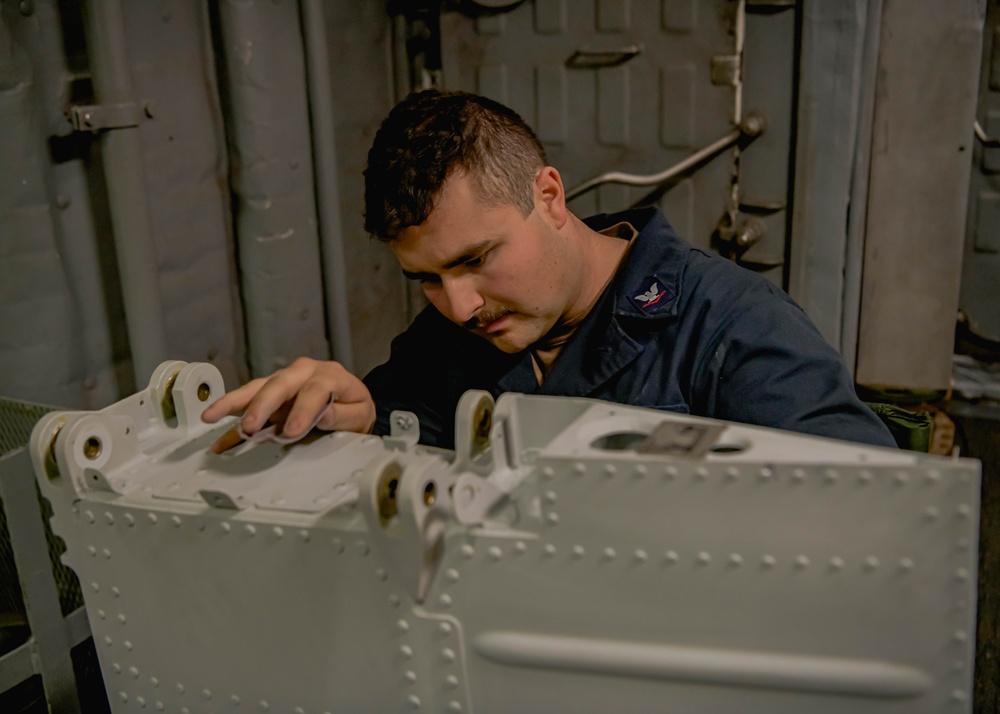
{"x":127,"y":196}
{"x":752,"y":127}
{"x":331,"y":234}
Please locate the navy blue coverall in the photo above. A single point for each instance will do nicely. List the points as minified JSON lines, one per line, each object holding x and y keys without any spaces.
{"x":678,"y":329}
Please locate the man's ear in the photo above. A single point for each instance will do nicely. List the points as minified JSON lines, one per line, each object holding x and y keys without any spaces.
{"x":550,"y":196}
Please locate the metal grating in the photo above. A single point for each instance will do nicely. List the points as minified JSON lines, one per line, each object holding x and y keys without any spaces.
{"x":17,"y":419}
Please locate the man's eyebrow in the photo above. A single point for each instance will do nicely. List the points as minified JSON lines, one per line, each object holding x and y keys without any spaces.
{"x":473,"y":251}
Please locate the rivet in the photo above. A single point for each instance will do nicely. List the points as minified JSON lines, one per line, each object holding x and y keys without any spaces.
{"x":225,"y":527}
{"x":495,"y":553}
{"x":454,"y":706}
{"x":278,"y":531}
{"x":766,"y":474}
{"x":550,"y":496}
{"x":579,"y":551}
{"x":363,"y":549}
{"x":160,"y":706}
{"x":906,"y":564}
{"x":932,"y":513}
{"x":152,"y":518}
{"x":579,"y":468}
{"x":733,"y":473}
{"x":961,"y":574}
{"x":134,"y":671}
{"x":185,"y":710}
{"x":448,"y":654}
{"x":671,"y":557}
{"x":798,"y":475}
{"x":406,"y":651}
{"x":451,"y":680}
{"x":963,"y":543}
{"x":964,"y":511}
{"x":251,"y":530}
{"x":961,"y":604}
{"x":107,"y":641}
{"x":836,"y":563}
{"x":117,"y":668}
{"x":235,"y":700}
{"x":304,"y":536}
{"x":549,"y":550}
{"x":701,"y":473}
{"x":180,"y":688}
{"x":115,"y":591}
{"x":553,"y":518}
{"x":264,"y":703}
{"x":141,"y":701}
{"x":902,"y":478}
{"x":121,"y":618}
{"x":129,"y":520}
{"x":101,"y":614}
{"x":704,"y":558}
{"x":958,"y":665}
{"x":207,"y":693}
{"x":92,"y":550}
{"x":410,"y":676}
{"x":298,"y":710}
{"x":520,"y":547}
{"x":802,"y":562}
{"x":128,"y":645}
{"x":338,"y":545}
{"x":403,"y":626}
{"x":414,"y":701}
{"x":468,"y":551}
{"x":548,"y":472}
{"x":865,"y":478}
{"x":958,"y":695}
{"x":106,"y":553}
{"x":394,"y":600}
{"x":123,"y":696}
{"x":641,"y":471}
{"x":641,"y":556}
{"x":610,"y":470}
{"x":176,"y":520}
{"x":960,"y":636}
{"x":109,"y":518}
{"x":871,"y":562}
{"x":95,"y":587}
{"x":609,"y":554}
{"x":444,"y":600}
{"x":670,"y":473}
{"x":452,"y":575}
{"x":736,"y":560}
{"x":154,"y":681}
{"x":831,"y":476}
{"x":445,"y":628}
{"x":768,"y":561}
{"x":933,"y":476}
{"x":89,"y":516}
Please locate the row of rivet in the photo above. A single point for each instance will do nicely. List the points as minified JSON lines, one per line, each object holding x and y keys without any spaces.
{"x":448,"y":656}
{"x":702,"y":473}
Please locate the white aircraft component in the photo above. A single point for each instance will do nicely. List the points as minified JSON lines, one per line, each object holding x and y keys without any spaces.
{"x":570,"y":556}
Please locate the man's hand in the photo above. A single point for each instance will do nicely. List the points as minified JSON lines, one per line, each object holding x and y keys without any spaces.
{"x":293,"y":398}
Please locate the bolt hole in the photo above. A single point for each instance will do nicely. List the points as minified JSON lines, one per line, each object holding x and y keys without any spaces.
{"x":204,"y":392}
{"x":619,"y":441}
{"x":92,"y":448}
{"x":733,"y":447}
{"x":430,"y":493}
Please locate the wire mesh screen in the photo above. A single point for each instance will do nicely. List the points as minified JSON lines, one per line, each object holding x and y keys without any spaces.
{"x":17,"y":419}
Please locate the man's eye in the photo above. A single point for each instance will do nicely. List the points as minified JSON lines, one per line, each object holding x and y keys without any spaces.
{"x":476,"y":262}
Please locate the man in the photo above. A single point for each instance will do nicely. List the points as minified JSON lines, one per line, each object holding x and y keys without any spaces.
{"x":524,"y":296}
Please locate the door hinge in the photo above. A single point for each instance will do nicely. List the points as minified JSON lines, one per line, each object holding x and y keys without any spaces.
{"x":103,"y":117}
{"x":726,"y":70}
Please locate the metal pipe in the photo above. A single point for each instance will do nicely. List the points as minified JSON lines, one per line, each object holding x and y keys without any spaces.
{"x":858,"y":215}
{"x":331,"y":234}
{"x":751,"y":127}
{"x":126,"y":184}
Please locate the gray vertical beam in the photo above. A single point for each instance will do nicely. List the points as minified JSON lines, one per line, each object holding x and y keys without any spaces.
{"x":31,"y":555}
{"x":918,"y":195}
{"x":272,"y":176}
{"x":830,"y":86}
{"x":126,"y":182}
{"x":327,"y":189}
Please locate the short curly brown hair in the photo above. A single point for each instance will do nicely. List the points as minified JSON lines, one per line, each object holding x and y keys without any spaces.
{"x":430,"y":135}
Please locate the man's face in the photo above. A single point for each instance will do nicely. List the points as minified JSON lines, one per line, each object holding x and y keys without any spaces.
{"x":507,"y":278}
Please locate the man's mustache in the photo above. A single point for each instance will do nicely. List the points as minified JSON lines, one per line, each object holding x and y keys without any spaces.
{"x":486,"y":317}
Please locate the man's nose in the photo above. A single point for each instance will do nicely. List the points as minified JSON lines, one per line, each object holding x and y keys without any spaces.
{"x":464,"y":300}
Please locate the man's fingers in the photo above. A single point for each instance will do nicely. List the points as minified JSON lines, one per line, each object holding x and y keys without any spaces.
{"x":233,"y":402}
{"x":312,"y":400}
